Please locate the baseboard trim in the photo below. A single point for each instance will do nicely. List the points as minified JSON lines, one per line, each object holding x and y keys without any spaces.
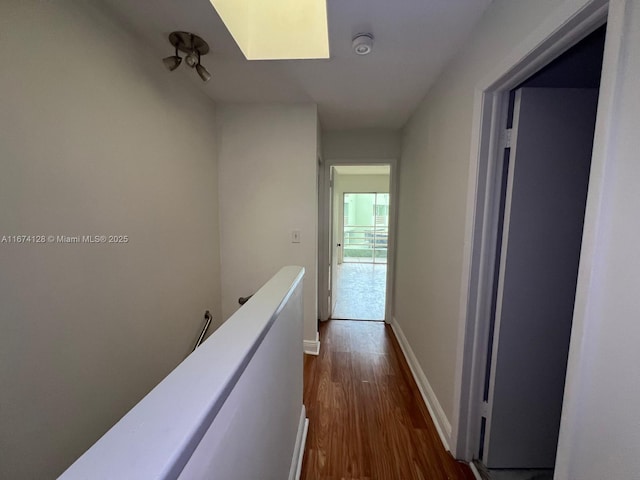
{"x":475,"y":471}
{"x":298,"y":451}
{"x":428,"y":395}
{"x":312,"y":347}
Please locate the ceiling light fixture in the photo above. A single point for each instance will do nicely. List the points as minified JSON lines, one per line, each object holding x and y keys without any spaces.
{"x":362,"y":43}
{"x":204,"y":75}
{"x":172,"y":62}
{"x":194,"y":47}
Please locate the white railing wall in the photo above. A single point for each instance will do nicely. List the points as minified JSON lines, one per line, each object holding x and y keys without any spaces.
{"x":231,"y":411}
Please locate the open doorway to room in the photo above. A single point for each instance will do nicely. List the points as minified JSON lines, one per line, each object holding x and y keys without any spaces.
{"x":360,"y":234}
{"x":542,"y":179}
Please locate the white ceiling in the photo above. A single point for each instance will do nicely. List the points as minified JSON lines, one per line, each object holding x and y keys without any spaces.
{"x":413,"y":41}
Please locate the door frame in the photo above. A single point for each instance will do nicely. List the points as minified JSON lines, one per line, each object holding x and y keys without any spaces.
{"x":572,"y":21}
{"x":325,"y":251}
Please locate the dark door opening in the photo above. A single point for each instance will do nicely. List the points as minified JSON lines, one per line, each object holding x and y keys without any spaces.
{"x":546,"y":176}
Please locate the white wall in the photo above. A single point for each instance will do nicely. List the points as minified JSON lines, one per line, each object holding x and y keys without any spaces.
{"x":366,"y":144}
{"x":95,"y":138}
{"x":433,"y":194}
{"x":258,"y":432}
{"x":599,"y":435}
{"x":267,"y":162}
{"x":600,"y":431}
{"x":232,"y":410}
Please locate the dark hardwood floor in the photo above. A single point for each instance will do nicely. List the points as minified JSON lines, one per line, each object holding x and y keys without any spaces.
{"x":367,"y":420}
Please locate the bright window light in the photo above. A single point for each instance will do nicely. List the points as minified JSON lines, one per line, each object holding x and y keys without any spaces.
{"x":277,"y":29}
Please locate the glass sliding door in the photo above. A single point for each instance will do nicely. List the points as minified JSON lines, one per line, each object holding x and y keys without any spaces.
{"x":366,"y":227}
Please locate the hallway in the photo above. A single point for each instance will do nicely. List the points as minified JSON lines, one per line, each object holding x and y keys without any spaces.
{"x":361,"y":290}
{"x":367,"y":419}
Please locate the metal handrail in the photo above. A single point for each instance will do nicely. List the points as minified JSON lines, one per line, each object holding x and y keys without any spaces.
{"x":372,"y":236}
{"x":207,"y":322}
{"x":243,"y":300}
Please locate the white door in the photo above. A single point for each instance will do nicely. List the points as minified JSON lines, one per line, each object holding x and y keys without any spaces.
{"x":547,"y":185}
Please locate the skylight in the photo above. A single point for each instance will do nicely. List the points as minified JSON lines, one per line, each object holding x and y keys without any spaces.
{"x":277,"y":29}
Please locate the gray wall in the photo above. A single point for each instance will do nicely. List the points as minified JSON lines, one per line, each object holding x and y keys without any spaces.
{"x":599,"y":435}
{"x":365,"y":144}
{"x":95,"y":138}
{"x":268,"y":188}
{"x":433,"y":190}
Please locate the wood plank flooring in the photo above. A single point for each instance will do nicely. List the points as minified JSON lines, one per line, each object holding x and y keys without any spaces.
{"x":367,"y":420}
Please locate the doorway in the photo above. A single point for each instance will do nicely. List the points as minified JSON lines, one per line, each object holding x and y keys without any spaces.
{"x":541,"y":196}
{"x":360,"y":201}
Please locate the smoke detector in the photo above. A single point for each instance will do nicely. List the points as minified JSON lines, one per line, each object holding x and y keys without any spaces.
{"x":362,"y":43}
